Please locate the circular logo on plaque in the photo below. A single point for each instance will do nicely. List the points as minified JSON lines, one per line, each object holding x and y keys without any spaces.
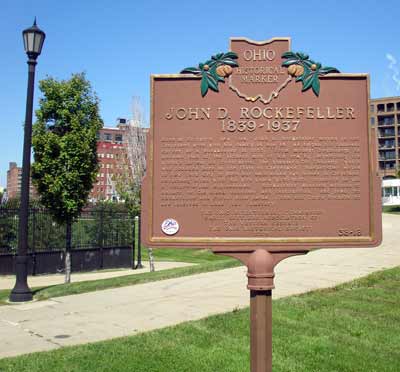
{"x":170,"y":226}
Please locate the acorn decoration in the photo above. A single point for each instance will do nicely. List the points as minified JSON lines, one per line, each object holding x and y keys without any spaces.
{"x":304,"y":69}
{"x":296,"y":70}
{"x":214,"y":71}
{"x":224,"y":70}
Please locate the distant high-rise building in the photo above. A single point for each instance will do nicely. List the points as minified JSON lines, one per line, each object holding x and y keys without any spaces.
{"x":14,"y":176}
{"x":385,"y":116}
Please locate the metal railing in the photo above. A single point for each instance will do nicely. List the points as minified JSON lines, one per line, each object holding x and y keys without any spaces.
{"x":101,"y":238}
{"x":93,"y":229}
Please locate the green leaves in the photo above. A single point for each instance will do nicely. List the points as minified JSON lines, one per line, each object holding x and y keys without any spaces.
{"x":191,"y":70}
{"x":208,"y":80}
{"x":212,"y":82}
{"x":311,"y":70}
{"x":311,"y":81}
{"x":295,"y":59}
{"x":224,"y":59}
{"x":327,"y":70}
{"x":64,"y":143}
{"x":204,"y":85}
{"x":210,"y":77}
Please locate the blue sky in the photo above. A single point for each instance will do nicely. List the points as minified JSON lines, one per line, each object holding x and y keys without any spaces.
{"x":120,"y":43}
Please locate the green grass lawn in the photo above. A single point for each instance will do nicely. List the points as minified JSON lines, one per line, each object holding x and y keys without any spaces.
{"x":354,"y":327}
{"x":184,"y":255}
{"x":204,"y":259}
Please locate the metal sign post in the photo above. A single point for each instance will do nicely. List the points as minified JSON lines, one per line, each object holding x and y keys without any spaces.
{"x":260,"y":273}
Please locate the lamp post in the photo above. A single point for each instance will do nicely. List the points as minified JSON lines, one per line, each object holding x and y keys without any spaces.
{"x":33,"y":42}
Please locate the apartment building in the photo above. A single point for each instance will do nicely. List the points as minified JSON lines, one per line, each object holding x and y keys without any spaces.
{"x":385,"y":116}
{"x":113,"y":160}
{"x":14,"y":179}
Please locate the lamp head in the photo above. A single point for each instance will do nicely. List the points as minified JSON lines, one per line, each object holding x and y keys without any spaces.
{"x":33,"y":40}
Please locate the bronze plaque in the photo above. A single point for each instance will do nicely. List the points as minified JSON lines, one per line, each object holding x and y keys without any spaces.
{"x":261,"y":147}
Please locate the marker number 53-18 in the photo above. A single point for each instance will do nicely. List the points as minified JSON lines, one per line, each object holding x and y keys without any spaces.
{"x":349,"y":232}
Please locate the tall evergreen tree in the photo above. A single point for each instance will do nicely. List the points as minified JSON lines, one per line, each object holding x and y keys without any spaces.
{"x":65,"y":149}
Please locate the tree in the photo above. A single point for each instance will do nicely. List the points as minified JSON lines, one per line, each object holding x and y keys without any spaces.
{"x":65,"y":149}
{"x":8,"y":229}
{"x":128,"y":185}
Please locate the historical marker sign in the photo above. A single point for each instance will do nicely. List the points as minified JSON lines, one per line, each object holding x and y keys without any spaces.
{"x":261,"y":147}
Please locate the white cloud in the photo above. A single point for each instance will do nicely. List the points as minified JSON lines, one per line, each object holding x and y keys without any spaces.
{"x":395,"y":70}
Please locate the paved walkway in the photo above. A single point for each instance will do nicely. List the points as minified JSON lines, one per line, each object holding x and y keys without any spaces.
{"x":8,"y":281}
{"x":126,"y":311}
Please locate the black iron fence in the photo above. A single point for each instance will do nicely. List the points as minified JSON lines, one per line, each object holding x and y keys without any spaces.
{"x":101,"y":239}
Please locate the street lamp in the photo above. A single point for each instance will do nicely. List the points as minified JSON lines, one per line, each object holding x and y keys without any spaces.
{"x":33,"y":42}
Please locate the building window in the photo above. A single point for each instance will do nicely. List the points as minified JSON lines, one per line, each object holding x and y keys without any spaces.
{"x":372,"y":121}
{"x":118,"y":138}
{"x":398,"y":106}
{"x":386,"y":120}
{"x":107,"y":136}
{"x":388,"y":144}
{"x":371,"y":108}
{"x":381,"y":107}
{"x":390,"y":107}
{"x":390,"y":191}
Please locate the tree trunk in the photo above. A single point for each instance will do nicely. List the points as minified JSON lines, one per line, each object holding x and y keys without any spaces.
{"x":151,"y":260}
{"x":68,"y":252}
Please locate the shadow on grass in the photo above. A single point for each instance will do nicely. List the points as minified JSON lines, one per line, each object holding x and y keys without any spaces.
{"x":5,"y":293}
{"x":391,"y":209}
{"x":36,"y":291}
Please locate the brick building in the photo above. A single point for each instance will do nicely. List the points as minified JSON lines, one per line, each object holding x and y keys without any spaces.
{"x":113,"y":160}
{"x":14,"y":177}
{"x":111,"y":154}
{"x":385,"y":115}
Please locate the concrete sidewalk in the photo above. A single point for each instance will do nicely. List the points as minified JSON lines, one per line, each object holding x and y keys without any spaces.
{"x":126,"y":311}
{"x":8,"y":281}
